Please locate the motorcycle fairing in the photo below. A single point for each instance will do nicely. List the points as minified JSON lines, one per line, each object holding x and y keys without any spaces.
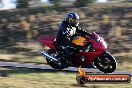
{"x":48,"y":41}
{"x":90,"y":57}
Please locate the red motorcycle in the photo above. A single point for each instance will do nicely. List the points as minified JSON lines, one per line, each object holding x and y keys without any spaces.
{"x":95,"y":55}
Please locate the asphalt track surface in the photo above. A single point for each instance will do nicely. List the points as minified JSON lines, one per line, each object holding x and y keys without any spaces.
{"x":48,"y":68}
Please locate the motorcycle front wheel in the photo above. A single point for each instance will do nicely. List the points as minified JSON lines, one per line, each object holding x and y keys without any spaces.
{"x":106,"y":63}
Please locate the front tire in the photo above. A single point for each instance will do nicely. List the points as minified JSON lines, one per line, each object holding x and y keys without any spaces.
{"x":106,"y":63}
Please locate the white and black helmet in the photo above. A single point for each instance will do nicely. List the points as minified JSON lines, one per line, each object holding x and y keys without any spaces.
{"x":72,"y":18}
{"x":72,"y":15}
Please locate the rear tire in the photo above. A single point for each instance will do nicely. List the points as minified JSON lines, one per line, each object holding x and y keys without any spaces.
{"x":52,"y":64}
{"x":106,"y":63}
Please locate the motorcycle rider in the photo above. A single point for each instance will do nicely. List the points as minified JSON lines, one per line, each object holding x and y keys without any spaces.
{"x":68,"y":28}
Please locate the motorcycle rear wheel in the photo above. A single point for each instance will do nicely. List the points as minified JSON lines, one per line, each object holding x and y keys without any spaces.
{"x":106,"y":63}
{"x":52,"y":64}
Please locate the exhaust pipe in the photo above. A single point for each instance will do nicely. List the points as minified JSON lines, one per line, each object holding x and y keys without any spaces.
{"x":43,"y":53}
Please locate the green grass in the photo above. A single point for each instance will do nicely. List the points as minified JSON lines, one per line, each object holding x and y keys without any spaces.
{"x":23,"y":52}
{"x":25,"y":78}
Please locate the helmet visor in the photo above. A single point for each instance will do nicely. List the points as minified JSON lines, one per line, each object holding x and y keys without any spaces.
{"x":75,"y":21}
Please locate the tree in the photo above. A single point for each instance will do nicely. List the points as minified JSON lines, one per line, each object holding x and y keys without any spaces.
{"x":128,"y":1}
{"x":22,"y":3}
{"x":81,"y":3}
{"x":121,"y":0}
{"x":56,"y":2}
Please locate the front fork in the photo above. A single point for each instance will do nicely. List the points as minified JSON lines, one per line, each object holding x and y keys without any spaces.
{"x":104,"y":54}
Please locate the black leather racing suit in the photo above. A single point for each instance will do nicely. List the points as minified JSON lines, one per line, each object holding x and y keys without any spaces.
{"x":63,"y":38}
